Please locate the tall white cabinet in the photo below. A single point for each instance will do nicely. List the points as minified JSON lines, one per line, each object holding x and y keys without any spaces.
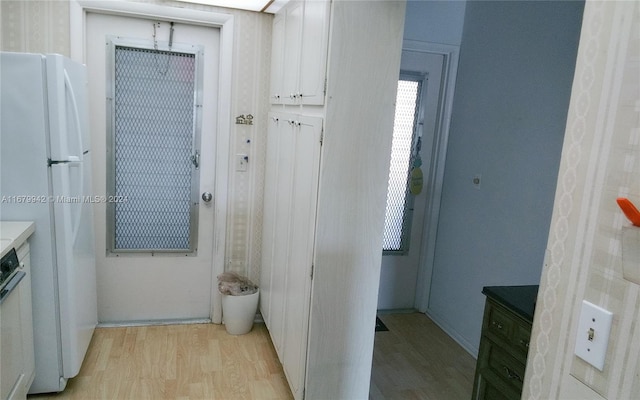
{"x":335,"y":67}
{"x":292,"y":167}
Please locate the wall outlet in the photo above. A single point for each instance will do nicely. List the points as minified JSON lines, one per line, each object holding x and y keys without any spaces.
{"x":594,"y":327}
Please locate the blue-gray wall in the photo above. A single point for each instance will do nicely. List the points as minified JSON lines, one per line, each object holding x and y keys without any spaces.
{"x":512,"y":94}
{"x":426,"y":21}
{"x":434,"y":21}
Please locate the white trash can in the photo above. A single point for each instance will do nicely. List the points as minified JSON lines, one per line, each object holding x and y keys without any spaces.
{"x":239,"y":312}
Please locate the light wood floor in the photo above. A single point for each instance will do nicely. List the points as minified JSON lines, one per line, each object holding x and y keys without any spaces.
{"x":415,"y":359}
{"x":178,"y":362}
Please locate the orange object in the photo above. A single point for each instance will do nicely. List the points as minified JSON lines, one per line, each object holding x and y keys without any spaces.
{"x":629,"y":210}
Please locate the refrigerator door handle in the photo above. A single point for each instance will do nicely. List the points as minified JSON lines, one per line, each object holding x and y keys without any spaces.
{"x":76,"y":114}
{"x":76,"y":159}
{"x":72,"y":160}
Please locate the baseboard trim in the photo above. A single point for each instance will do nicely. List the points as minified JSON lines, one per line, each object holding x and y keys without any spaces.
{"x":453,"y":334}
{"x":397,"y":311}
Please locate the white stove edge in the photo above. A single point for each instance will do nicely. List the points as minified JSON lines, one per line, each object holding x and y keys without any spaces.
{"x":14,"y":233}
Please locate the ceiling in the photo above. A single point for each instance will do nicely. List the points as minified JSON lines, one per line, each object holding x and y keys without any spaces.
{"x":268,"y":6}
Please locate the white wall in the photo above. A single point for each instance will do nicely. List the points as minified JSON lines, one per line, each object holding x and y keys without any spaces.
{"x":600,"y":161}
{"x":512,"y":94}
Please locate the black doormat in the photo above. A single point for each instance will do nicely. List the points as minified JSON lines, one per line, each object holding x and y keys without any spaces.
{"x":380,"y":326}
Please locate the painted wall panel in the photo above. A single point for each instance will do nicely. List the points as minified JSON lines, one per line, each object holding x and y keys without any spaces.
{"x":509,"y":113}
{"x":435,"y":21}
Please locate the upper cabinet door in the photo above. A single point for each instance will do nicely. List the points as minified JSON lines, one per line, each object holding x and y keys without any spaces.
{"x":313,"y":54}
{"x":299,"y":54}
{"x":291,"y":67}
{"x":277,"y":58}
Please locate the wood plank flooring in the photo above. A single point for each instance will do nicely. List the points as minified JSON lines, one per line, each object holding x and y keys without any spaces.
{"x":199,"y":361}
{"x":415,"y":359}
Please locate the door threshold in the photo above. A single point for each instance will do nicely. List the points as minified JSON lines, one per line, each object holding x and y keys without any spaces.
{"x":154,"y":322}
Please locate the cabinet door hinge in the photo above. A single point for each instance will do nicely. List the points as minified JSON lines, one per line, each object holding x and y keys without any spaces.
{"x":321,"y":136}
{"x":312,"y":271}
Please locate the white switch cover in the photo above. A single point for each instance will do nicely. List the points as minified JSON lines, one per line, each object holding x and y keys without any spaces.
{"x":594,"y":327}
{"x":241,"y":162}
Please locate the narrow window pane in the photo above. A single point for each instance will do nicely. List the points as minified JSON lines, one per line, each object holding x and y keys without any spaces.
{"x":153,"y":128}
{"x":397,"y":216}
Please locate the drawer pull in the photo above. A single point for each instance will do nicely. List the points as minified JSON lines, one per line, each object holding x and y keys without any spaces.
{"x":511,"y":374}
{"x":496,"y":324}
{"x":524,"y":343}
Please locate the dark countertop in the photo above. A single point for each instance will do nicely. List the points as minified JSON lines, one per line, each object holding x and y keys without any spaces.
{"x":519,"y":299}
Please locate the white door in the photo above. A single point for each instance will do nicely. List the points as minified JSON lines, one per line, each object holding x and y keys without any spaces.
{"x":400,"y":269}
{"x":152,"y":285}
{"x":307,"y":133}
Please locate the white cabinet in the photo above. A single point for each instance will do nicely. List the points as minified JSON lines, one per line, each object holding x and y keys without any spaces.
{"x":292,"y":167}
{"x":17,"y":364}
{"x":10,"y":345}
{"x":299,"y":53}
{"x":326,"y":178}
{"x":26,"y":319}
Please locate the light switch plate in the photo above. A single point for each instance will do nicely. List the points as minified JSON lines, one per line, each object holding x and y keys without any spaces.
{"x":594,"y":327}
{"x":241,"y":162}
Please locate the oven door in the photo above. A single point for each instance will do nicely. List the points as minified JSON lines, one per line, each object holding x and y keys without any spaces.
{"x":11,"y":284}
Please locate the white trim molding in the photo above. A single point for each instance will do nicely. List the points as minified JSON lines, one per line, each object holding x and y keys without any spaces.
{"x":436,"y":178}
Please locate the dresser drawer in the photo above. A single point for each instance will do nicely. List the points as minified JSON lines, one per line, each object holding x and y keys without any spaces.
{"x":521,"y":338}
{"x":490,"y":387}
{"x":509,"y":369}
{"x":499,"y":322}
{"x":509,"y":330}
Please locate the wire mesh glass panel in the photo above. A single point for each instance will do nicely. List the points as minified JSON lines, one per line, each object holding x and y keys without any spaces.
{"x":153,"y":143}
{"x":399,"y":201}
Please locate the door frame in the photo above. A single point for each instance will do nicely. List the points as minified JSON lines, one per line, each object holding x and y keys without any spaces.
{"x":78,"y":10}
{"x":435,"y":179}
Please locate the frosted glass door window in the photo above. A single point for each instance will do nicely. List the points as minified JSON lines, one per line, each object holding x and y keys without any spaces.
{"x":399,"y":208}
{"x":154,"y":183}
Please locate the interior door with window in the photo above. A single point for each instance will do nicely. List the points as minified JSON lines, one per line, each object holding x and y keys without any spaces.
{"x":414,"y":138}
{"x":153,"y":100}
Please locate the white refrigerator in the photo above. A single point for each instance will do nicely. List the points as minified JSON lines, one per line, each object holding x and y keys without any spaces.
{"x":45,"y":177}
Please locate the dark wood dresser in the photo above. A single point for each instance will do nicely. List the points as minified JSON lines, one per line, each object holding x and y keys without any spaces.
{"x":504,"y":344}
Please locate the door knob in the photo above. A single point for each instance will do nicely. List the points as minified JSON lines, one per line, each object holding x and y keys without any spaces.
{"x":206,"y":196}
